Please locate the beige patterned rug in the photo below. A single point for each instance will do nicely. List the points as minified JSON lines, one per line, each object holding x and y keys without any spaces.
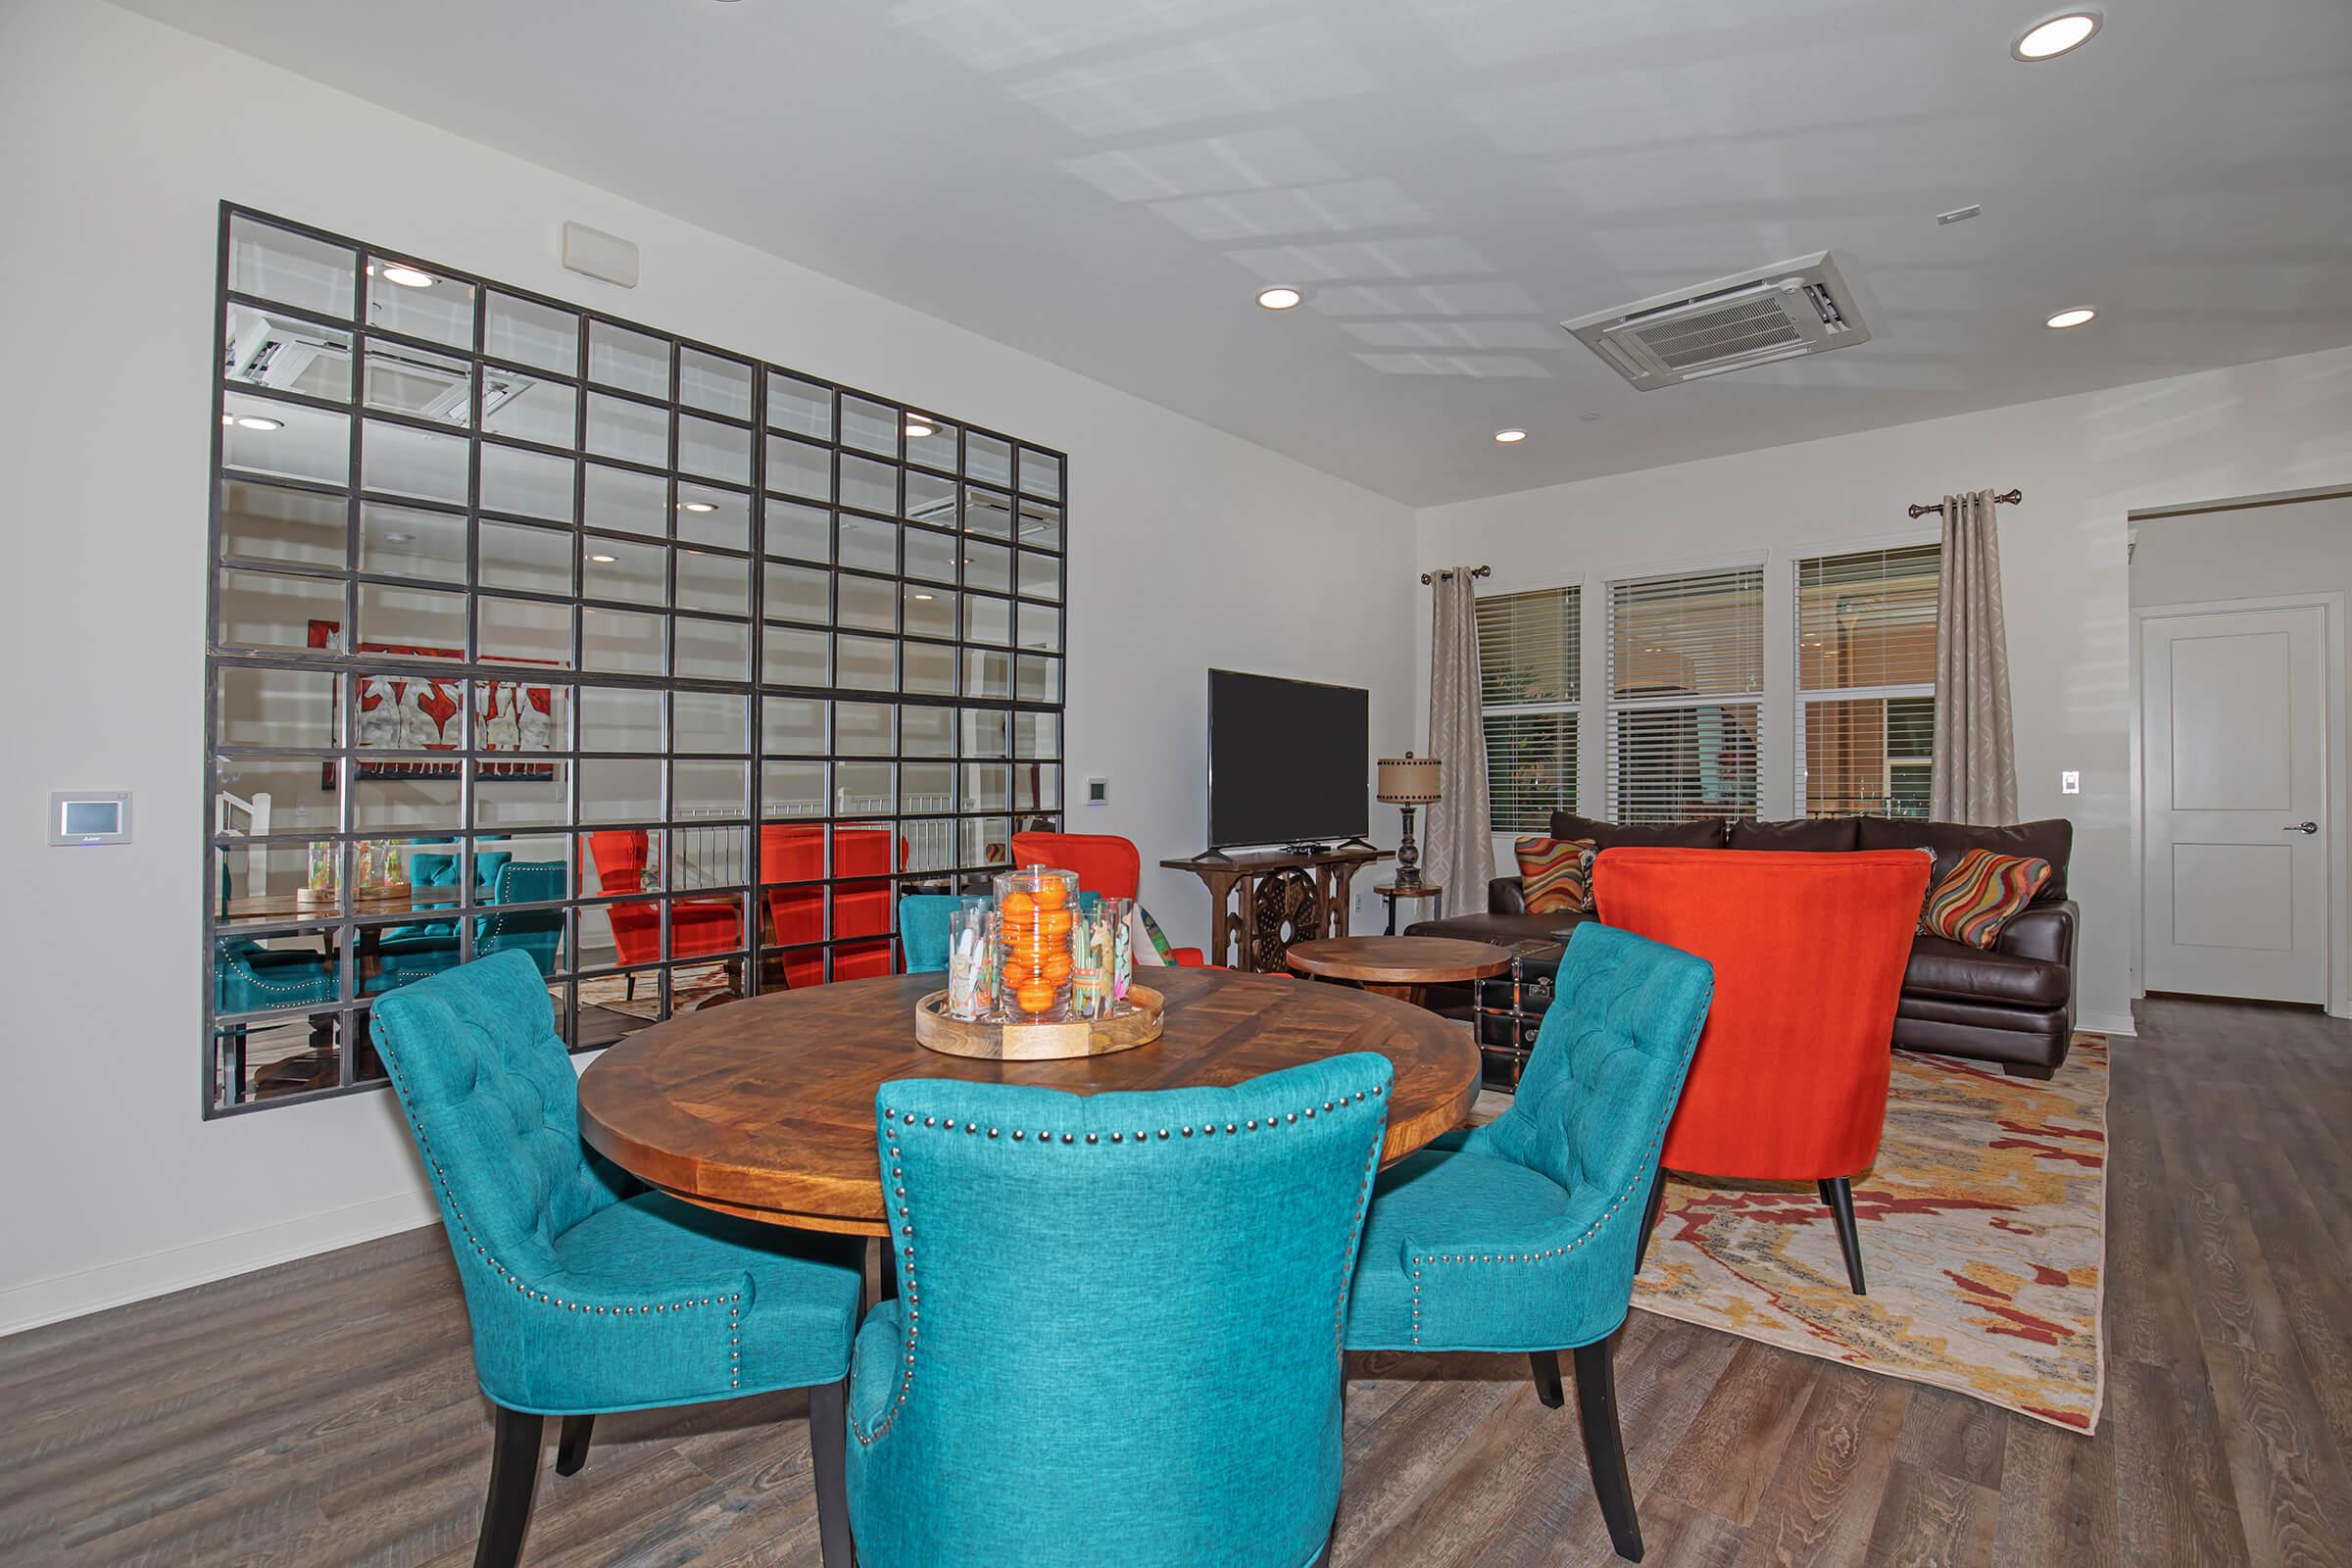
{"x":1983,"y":1240}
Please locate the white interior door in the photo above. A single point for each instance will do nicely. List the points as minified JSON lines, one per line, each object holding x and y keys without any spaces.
{"x":2234,"y":731}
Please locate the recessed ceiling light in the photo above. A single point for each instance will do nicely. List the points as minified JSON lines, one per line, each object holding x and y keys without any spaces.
{"x":2060,"y":34}
{"x":918,"y":427}
{"x":698,"y":506}
{"x":407,"y":277}
{"x":1279,"y":299}
{"x":254,"y":422}
{"x":1510,"y":438}
{"x":602,"y":560}
{"x":2074,"y":318}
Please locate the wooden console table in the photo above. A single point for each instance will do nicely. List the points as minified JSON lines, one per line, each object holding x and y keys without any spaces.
{"x":1266,"y":900}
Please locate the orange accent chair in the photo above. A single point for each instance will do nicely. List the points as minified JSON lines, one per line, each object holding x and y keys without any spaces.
{"x":698,"y":928}
{"x":1789,"y":1081}
{"x":792,"y":854}
{"x":1108,"y":867}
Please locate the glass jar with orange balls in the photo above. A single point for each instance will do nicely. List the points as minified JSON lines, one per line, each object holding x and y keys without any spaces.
{"x":1036,"y":908}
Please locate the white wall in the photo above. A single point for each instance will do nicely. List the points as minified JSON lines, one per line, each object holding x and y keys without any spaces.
{"x":2296,"y":548}
{"x":123,"y":136}
{"x":2083,"y":463}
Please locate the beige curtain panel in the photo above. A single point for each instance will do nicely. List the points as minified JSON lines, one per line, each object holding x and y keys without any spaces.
{"x":1974,"y":776}
{"x":1459,"y":847}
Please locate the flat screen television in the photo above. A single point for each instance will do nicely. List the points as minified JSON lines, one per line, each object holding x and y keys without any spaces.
{"x":1288,"y":761}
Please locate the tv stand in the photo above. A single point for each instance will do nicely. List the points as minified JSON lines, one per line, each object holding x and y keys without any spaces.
{"x":1265,"y":899}
{"x":1307,"y":850}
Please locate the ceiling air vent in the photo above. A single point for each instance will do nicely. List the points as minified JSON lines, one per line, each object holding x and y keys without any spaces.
{"x":1775,"y":312}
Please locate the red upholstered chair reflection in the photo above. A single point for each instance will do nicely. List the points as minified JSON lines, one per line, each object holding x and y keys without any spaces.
{"x":698,"y":928}
{"x":1107,"y":865}
{"x":1789,"y":1081}
{"x":792,"y":865}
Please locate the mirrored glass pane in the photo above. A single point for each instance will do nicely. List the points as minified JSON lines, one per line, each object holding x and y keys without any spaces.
{"x":710,"y":515}
{"x":987,"y":787}
{"x":522,"y":631}
{"x":930,"y":499}
{"x":276,"y":609}
{"x":1041,"y":525}
{"x":401,"y":379}
{"x":291,"y":268}
{"x":1036,"y":787}
{"x":865,"y":663}
{"x":863,"y":789}
{"x":385,"y":803}
{"x":988,"y":512}
{"x":263,"y":795}
{"x":1041,"y":473}
{"x":868,"y":425}
{"x":797,"y":593}
{"x":406,"y":710}
{"x":713,"y":649}
{"x":266,"y":522}
{"x":632,"y":431}
{"x":927,"y":785}
{"x":869,"y":544}
{"x":987,"y":841}
{"x":411,"y":621}
{"x":792,"y":789}
{"x":931,"y":441}
{"x":867,"y":603}
{"x":792,"y":725}
{"x":1040,"y":628}
{"x":863,"y":730}
{"x":796,"y":468}
{"x":273,"y":883}
{"x":927,"y":730}
{"x":529,"y":484}
{"x":617,"y":568}
{"x":719,"y":584}
{"x":521,"y":715}
{"x":871,"y":485}
{"x":530,"y":333}
{"x":713,"y":450}
{"x":801,"y":532}
{"x":1040,"y":576}
{"x":801,"y":407}
{"x":930,"y":844}
{"x":620,"y":718}
{"x":1038,"y":678}
{"x":634,"y":362}
{"x":714,"y":384}
{"x":709,"y":721}
{"x":279,"y":1056}
{"x":621,"y":789}
{"x":928,"y":668}
{"x":285,"y":439}
{"x":987,"y":458}
{"x":709,"y":790}
{"x":1036,"y":735}
{"x":537,"y":561}
{"x":984,"y":732}
{"x":988,"y":567}
{"x":987,"y":620}
{"x":275,"y":349}
{"x":620,"y":641}
{"x":413,"y":542}
{"x":987,"y":674}
{"x":794,"y":655}
{"x":402,"y":460}
{"x":519,"y":407}
{"x":405,"y":297}
{"x":624,"y":499}
{"x":930,"y":555}
{"x":928,"y":611}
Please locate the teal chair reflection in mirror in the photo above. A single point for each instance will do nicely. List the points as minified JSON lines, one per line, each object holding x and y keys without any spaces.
{"x":429,"y":951}
{"x":586,"y":1293}
{"x":923,"y":930}
{"x":1117,"y":1337}
{"x":1525,"y":1234}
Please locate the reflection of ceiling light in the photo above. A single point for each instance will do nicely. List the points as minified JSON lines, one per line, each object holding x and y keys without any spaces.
{"x":2047,"y":41}
{"x":602,"y":560}
{"x":397,"y":538}
{"x":925,"y":597}
{"x":1511,"y":437}
{"x":2074,"y":318}
{"x":254,"y":422}
{"x":408,"y":276}
{"x":697,"y":506}
{"x":1279,"y":299}
{"x":228,"y":418}
{"x":918,"y":427}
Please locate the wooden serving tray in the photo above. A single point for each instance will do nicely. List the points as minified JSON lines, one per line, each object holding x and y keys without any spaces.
{"x":1040,"y":1042}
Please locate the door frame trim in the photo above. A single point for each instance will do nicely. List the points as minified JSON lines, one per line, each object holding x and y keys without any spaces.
{"x":2331,"y":606}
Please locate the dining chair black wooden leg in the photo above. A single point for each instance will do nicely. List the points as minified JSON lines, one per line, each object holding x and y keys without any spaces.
{"x":514,"y":1477}
{"x":828,"y":1434}
{"x":1838,"y":1193}
{"x":1604,"y":1445}
{"x":1650,"y":1215}
{"x":571,"y":1447}
{"x":1546,"y":1367}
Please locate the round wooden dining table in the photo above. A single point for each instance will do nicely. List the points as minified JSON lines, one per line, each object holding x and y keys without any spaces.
{"x":765,"y":1109}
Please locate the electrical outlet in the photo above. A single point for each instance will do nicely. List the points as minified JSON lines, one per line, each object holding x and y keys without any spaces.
{"x":2069,"y":782}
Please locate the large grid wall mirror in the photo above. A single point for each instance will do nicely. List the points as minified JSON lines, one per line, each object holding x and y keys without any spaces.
{"x":534,"y":629}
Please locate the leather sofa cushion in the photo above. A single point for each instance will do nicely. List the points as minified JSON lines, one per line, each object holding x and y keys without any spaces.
{"x":1701,"y":835}
{"x":1954,"y":969}
{"x":1816,"y":834}
{"x":2052,"y":839}
{"x":1504,"y":929}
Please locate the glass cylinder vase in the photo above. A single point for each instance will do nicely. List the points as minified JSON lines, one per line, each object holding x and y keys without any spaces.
{"x":1036,"y":906}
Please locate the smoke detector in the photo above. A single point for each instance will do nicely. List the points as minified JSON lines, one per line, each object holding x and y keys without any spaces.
{"x":1775,"y":312}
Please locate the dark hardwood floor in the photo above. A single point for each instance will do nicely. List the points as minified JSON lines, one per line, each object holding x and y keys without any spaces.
{"x":326,"y":1412}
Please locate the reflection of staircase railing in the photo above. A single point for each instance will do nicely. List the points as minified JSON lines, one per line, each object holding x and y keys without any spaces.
{"x":716,"y":856}
{"x":236,"y":817}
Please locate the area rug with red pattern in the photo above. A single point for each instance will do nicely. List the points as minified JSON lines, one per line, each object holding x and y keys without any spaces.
{"x":1983,"y":1241}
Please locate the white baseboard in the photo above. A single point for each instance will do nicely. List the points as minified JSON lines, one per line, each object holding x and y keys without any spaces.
{"x":135,"y":1279}
{"x":2106,"y":1023}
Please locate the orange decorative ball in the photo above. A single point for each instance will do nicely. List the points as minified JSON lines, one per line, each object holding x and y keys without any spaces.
{"x":1053,"y":894}
{"x":1035,"y":996}
{"x":1055,"y":922}
{"x":1017,"y":906}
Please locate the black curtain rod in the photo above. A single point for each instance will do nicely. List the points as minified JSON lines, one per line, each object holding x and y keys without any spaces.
{"x":1475,"y":572}
{"x":2007,"y":498}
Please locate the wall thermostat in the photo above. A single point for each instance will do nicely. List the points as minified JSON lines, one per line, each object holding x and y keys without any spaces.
{"x":1097,"y":791}
{"x":89,"y":816}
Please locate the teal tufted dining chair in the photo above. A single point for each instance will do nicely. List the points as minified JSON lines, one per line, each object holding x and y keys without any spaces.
{"x":923,"y":929}
{"x":1525,"y":1234}
{"x":586,"y":1293}
{"x":1117,"y":1336}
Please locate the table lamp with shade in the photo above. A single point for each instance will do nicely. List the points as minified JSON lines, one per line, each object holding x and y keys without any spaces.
{"x":1408,"y":781}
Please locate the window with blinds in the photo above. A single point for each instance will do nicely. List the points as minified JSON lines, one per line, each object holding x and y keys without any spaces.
{"x":1530,"y":686}
{"x":1866,"y":633}
{"x":1686,"y":682}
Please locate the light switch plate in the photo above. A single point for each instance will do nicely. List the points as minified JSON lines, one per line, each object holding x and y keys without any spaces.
{"x":2069,"y":782}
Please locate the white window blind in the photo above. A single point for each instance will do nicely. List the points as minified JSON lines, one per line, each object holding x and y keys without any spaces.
{"x":1530,"y":686}
{"x":1686,"y":675}
{"x":1866,"y":631}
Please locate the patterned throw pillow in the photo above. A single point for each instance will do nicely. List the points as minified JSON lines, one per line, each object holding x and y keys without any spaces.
{"x":1556,"y":874}
{"x":1154,"y":948}
{"x":1981,"y":893}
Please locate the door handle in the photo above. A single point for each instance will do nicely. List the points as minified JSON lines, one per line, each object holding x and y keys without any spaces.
{"x":2302,"y":827}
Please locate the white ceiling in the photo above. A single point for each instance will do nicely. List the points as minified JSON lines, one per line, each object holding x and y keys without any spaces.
{"x":1107,"y":183}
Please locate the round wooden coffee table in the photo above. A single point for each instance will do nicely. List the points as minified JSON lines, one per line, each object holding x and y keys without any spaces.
{"x":765,"y":1108}
{"x":1398,"y":966}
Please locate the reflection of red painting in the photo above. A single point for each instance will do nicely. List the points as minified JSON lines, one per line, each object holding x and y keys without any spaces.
{"x":419,"y":713}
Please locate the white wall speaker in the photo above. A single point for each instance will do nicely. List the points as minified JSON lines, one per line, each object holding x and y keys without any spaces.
{"x":599,"y":255}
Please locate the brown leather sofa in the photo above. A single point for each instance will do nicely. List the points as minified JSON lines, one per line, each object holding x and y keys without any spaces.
{"x":2013,"y":1004}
